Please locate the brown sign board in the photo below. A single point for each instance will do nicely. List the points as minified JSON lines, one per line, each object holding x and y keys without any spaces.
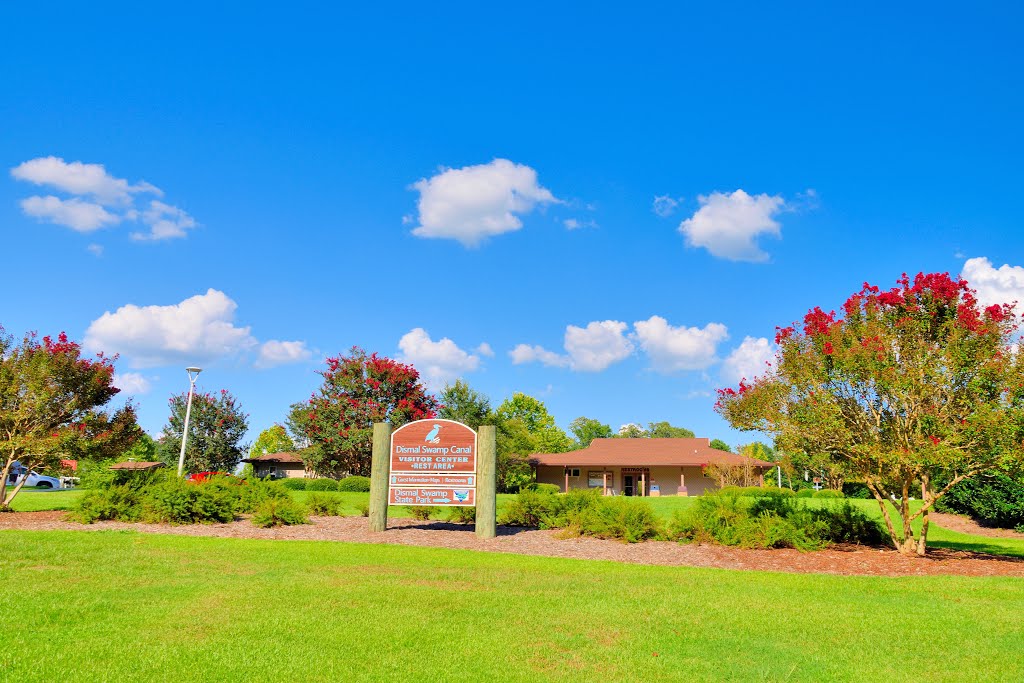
{"x":398,"y":495}
{"x":459,"y":480}
{"x":433,"y":447}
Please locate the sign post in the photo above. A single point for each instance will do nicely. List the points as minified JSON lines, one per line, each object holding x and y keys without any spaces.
{"x":379,"y":477}
{"x":486,"y":498}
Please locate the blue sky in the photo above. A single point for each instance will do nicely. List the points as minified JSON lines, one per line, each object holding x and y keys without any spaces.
{"x":251,"y":189}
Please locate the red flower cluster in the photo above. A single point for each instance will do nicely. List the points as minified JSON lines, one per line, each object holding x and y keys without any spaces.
{"x":818,"y":322}
{"x":783,"y":333}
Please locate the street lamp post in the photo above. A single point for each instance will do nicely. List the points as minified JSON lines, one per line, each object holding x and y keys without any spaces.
{"x":193,"y":375}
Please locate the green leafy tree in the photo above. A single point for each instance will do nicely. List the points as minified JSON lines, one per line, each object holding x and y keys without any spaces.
{"x":914,"y":389}
{"x":216,"y":427}
{"x":720,"y":445}
{"x":272,"y":440}
{"x":664,"y":430}
{"x":52,"y":402}
{"x":297,"y":423}
{"x":462,"y":403}
{"x":538,"y":421}
{"x":357,"y":391}
{"x":586,"y":429}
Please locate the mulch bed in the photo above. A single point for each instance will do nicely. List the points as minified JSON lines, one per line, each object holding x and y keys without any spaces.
{"x":836,"y":560}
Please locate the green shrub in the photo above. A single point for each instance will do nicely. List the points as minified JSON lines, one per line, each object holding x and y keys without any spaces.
{"x":422,"y":512}
{"x":177,"y":501}
{"x":857,"y":490}
{"x":364,"y":509}
{"x":772,"y":522}
{"x":530,"y":509}
{"x":278,"y":512}
{"x":622,"y":518}
{"x":354,"y":484}
{"x":254,"y":492}
{"x":462,"y":515}
{"x":122,"y":503}
{"x":323,"y":506}
{"x":294,"y":483}
{"x":828,"y":493}
{"x":994,"y":500}
{"x":322,"y":484}
{"x":805,"y":493}
{"x":541,"y":488}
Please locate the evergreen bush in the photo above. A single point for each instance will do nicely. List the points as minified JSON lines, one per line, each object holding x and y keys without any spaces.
{"x":461,"y":514}
{"x":294,"y":483}
{"x":323,"y":506}
{"x":278,"y":512}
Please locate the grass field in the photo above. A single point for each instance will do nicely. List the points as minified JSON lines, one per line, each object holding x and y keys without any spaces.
{"x":35,"y":500}
{"x":124,"y":606}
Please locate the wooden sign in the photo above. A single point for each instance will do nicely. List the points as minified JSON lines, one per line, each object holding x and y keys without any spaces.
{"x":433,"y":447}
{"x":399,"y":495}
{"x":461,"y":480}
{"x":433,"y":462}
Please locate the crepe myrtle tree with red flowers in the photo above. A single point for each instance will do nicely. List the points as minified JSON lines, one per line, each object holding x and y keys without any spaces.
{"x":913,"y":389}
{"x":216,"y":427}
{"x":358,"y":390}
{"x":52,"y":403}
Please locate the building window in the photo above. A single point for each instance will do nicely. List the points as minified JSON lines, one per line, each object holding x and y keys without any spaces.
{"x":595,"y":480}
{"x":572,"y":472}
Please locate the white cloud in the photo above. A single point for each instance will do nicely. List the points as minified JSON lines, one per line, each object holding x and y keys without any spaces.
{"x":525,"y":353}
{"x":438,"y":362}
{"x":198,"y":329}
{"x":485,"y":350}
{"x":1002,"y":285}
{"x":664,"y":205}
{"x":132,"y":383}
{"x":598,"y":345}
{"x":274,"y":352}
{"x":81,"y":179}
{"x":588,"y":349}
{"x":576,"y":224}
{"x":727,"y":225}
{"x":74,"y":213}
{"x":748,"y":360}
{"x":473,"y":203}
{"x":165,"y":222}
{"x":671,"y":349}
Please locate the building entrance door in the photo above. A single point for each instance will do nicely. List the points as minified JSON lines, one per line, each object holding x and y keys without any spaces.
{"x":629,"y":485}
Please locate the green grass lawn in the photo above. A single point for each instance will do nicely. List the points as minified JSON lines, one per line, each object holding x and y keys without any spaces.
{"x":125,"y":606}
{"x":35,"y":500}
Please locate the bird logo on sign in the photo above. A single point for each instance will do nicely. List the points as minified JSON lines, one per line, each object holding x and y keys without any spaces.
{"x":432,"y":435}
{"x":461,"y":496}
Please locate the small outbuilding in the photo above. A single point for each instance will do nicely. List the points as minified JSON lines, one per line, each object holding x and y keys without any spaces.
{"x":278,"y":465}
{"x":640,"y":467}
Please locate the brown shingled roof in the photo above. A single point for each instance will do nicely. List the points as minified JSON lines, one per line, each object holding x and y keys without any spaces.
{"x":275,"y":457}
{"x":647,"y":452}
{"x":136,"y":466}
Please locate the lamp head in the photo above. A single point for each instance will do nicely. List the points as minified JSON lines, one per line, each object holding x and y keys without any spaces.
{"x":195,"y":370}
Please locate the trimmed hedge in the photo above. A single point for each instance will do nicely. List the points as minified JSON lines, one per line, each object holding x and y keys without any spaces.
{"x":758,"y":491}
{"x":541,"y":488}
{"x":294,"y":483}
{"x":321,"y":484}
{"x":994,"y":501}
{"x":354,"y":484}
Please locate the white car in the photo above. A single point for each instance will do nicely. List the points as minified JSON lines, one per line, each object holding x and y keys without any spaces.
{"x":18,"y":473}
